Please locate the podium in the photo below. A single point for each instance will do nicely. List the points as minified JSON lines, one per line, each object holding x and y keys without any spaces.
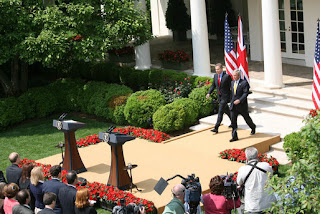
{"x":118,"y":176}
{"x":72,"y":159}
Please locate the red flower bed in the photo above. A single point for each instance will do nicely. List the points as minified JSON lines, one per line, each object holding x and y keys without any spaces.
{"x":148,"y":134}
{"x":98,"y":191}
{"x":89,"y":140}
{"x":174,"y":56}
{"x":313,"y":113}
{"x":239,"y":156}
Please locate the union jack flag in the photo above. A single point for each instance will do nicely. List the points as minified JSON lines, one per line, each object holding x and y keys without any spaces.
{"x":316,"y":72}
{"x":230,"y":57}
{"x":242,"y":60}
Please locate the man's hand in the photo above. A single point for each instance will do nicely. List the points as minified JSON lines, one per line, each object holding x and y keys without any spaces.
{"x":208,"y":96}
{"x":236,"y":102}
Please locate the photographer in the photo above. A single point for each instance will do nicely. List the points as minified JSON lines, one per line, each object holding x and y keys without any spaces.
{"x":215,"y":202}
{"x":176,"y":206}
{"x":254,"y":176}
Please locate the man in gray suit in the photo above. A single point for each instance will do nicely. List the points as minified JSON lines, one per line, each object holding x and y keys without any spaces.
{"x":49,"y":200}
{"x":23,"y":198}
{"x":14,"y":171}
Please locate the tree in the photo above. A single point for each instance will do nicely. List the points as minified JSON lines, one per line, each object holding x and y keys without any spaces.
{"x":67,"y":30}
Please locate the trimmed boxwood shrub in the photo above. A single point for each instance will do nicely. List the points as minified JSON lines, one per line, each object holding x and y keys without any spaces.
{"x":294,"y":146}
{"x":199,"y":95}
{"x":176,"y":115}
{"x":142,"y":105}
{"x":106,"y":71}
{"x":11,"y":112}
{"x":174,"y":75}
{"x":156,"y":76}
{"x":118,"y":115}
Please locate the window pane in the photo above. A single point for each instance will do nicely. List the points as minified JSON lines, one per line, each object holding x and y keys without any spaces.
{"x":300,"y":26}
{"x":300,"y":5}
{"x":293,"y":26}
{"x":283,"y":47}
{"x":301,"y":49}
{"x":293,"y":15}
{"x":293,"y":4}
{"x":300,"y":16}
{"x":301,"y":38}
{"x":294,"y":37}
{"x":282,"y":25}
{"x":281,"y":4}
{"x":294,"y":48}
{"x":281,"y":15}
{"x":283,"y":36}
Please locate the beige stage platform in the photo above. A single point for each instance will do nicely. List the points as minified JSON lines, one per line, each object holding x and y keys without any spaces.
{"x":195,"y":153}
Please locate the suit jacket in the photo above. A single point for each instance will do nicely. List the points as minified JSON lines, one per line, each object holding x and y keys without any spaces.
{"x":2,"y":178}
{"x":20,"y":209}
{"x":37,"y":193}
{"x":46,"y":211}
{"x":223,"y":92}
{"x":68,"y":193}
{"x":85,"y":210}
{"x":13,"y":173}
{"x":54,"y":185}
{"x":241,"y":94}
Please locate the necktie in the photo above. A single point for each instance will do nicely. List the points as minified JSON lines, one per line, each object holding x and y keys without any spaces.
{"x":219,"y":81}
{"x":235,"y":88}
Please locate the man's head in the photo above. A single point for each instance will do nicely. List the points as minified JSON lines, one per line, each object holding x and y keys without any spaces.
{"x":23,"y":197}
{"x":55,"y":171}
{"x":251,"y":153}
{"x":236,"y":74}
{"x":49,"y":199}
{"x":72,"y":177}
{"x":219,"y":68}
{"x":14,"y":158}
{"x":178,"y":192}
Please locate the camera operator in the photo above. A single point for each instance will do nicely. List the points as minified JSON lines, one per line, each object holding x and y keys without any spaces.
{"x":254,"y":176}
{"x":175,"y":206}
{"x":215,"y":202}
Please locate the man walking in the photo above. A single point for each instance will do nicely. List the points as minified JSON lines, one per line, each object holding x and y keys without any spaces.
{"x":221,"y":82}
{"x":239,"y":104}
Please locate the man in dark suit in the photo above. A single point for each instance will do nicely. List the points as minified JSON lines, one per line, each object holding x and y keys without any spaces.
{"x":221,"y":82}
{"x":68,"y":193}
{"x":14,"y":171}
{"x":49,"y":200}
{"x":23,"y":197}
{"x":2,"y":178}
{"x":54,"y":185}
{"x":239,"y":104}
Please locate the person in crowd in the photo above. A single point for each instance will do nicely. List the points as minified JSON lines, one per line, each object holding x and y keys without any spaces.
{"x":2,"y":178}
{"x":2,"y":185}
{"x":254,"y":176}
{"x":239,"y":104}
{"x":36,"y":182}
{"x":82,"y":204}
{"x":215,"y":202}
{"x":54,"y":185}
{"x":175,"y":206}
{"x":221,"y":82}
{"x":10,"y":191}
{"x":49,"y":199}
{"x":14,"y":171}
{"x":23,"y":197}
{"x":24,"y":181}
{"x":68,"y":193}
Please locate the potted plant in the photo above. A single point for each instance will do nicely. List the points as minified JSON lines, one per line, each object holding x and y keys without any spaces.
{"x":124,"y":54}
{"x":177,"y":19}
{"x":177,"y":60}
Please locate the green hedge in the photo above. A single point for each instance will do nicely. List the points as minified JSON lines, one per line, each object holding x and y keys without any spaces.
{"x":11,"y":112}
{"x":141,"y":106}
{"x":199,"y":95}
{"x":294,"y":146}
{"x":176,"y":115}
{"x":118,"y":115}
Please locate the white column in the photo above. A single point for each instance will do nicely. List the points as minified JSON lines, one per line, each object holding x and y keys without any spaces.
{"x":200,"y":42}
{"x":142,"y":52}
{"x":271,"y":44}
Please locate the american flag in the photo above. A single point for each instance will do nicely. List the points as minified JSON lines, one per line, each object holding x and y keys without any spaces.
{"x":230,"y":57}
{"x":316,"y":72}
{"x":242,"y":60}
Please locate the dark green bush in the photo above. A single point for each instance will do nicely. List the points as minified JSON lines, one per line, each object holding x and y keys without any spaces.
{"x":142,"y":105}
{"x":294,"y":146}
{"x":82,"y":68}
{"x":170,"y":75}
{"x":11,"y":112}
{"x":106,"y":71}
{"x":38,"y":102}
{"x":156,"y":76}
{"x":199,"y":95}
{"x":118,"y":115}
{"x":201,"y":81}
{"x":125,"y":74}
{"x":175,"y":116}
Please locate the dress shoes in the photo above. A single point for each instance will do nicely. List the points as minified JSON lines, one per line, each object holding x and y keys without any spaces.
{"x":233,"y":139}
{"x":214,"y":130}
{"x":230,"y":126}
{"x":253,"y":131}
